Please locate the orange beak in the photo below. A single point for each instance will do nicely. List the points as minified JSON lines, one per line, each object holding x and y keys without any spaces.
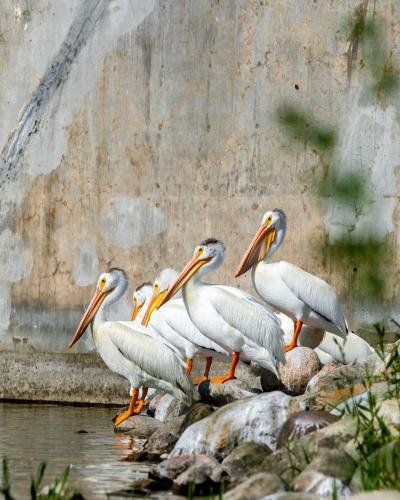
{"x":188,"y":271}
{"x":154,"y":303}
{"x":90,"y":313}
{"x":136,"y":310}
{"x":257,"y":250}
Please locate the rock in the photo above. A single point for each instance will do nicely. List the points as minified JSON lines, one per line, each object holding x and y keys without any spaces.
{"x":333,"y":463}
{"x":158,"y":395}
{"x":303,"y":422}
{"x":256,"y":487}
{"x":325,"y":370}
{"x":379,"y":389}
{"x":160,"y":442}
{"x":377,"y":495}
{"x":287,"y":462}
{"x":269,"y":381}
{"x":335,"y":386}
{"x":257,"y":419}
{"x":139,"y":426}
{"x":144,"y":487}
{"x":222,"y":394}
{"x":301,"y":365}
{"x":197,"y":412}
{"x":321,"y":485}
{"x":244,"y":458}
{"x":172,"y":467}
{"x":290,"y":495}
{"x":390,"y":412}
{"x":201,"y":478}
{"x":169,"y":407}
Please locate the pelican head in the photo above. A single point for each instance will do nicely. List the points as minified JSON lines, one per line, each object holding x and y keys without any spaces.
{"x":110,"y":286}
{"x":160,"y":288}
{"x":266,"y":240}
{"x":206,"y":257}
{"x":140,"y":295}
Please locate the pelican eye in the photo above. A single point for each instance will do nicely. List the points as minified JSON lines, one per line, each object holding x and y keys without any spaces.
{"x":268,"y":221}
{"x":199,"y":252}
{"x":155,"y":287}
{"x":102,"y":283}
{"x":134,"y":301}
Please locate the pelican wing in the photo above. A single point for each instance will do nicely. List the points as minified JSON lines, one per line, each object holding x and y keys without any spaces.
{"x":250,"y":317}
{"x":153,"y":357}
{"x":177,"y":317}
{"x":315,"y":293}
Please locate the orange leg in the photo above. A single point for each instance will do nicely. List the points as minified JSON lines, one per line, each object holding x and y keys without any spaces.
{"x":140,"y":403}
{"x":130,"y":411}
{"x":231,"y":372}
{"x":293,"y":343}
{"x":198,"y":380}
{"x":189,"y":363}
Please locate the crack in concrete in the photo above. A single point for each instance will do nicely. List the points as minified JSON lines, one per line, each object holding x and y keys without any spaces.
{"x":80,"y":31}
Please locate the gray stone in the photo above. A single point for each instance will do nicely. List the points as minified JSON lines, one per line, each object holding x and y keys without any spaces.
{"x":244,"y":458}
{"x":322,"y":485}
{"x":169,"y":407}
{"x":257,"y":419}
{"x":333,"y":463}
{"x":269,"y":381}
{"x":287,"y":462}
{"x":291,"y":495}
{"x":256,"y":487}
{"x":172,"y":467}
{"x":222,"y":394}
{"x":151,"y":410}
{"x":197,"y":412}
{"x":139,"y":426}
{"x":203,"y":475}
{"x":302,"y":364}
{"x":301,"y":423}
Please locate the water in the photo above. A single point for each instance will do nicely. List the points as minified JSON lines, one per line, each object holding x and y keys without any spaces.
{"x":30,"y":434}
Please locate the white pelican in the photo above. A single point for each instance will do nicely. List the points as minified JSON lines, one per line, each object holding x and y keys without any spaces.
{"x":287,"y":288}
{"x":230,"y":318}
{"x":130,"y":352}
{"x":172,"y":322}
{"x":140,"y":301}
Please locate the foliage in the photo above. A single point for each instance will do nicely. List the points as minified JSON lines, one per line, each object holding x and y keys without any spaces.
{"x":57,"y":490}
{"x":377,"y":446}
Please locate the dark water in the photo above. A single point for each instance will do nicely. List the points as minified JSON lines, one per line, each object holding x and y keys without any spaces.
{"x":30,"y":434}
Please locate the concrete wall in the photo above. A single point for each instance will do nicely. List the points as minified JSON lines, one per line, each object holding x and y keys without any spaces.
{"x":132,"y":129}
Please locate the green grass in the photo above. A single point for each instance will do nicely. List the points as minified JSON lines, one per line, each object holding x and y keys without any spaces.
{"x":57,"y":490}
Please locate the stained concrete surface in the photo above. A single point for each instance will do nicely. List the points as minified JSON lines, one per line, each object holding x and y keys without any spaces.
{"x":132,"y":129}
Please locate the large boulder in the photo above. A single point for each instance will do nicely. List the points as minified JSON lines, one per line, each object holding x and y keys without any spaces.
{"x":257,"y":419}
{"x":256,"y":487}
{"x":301,"y":365}
{"x":139,"y":426}
{"x":244,"y":458}
{"x":301,"y":423}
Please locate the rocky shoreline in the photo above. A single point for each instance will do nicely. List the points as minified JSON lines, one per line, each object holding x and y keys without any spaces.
{"x":288,"y":439}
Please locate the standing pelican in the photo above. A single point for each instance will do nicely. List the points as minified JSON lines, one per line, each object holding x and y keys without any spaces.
{"x":172,"y":322}
{"x":131,"y":353}
{"x":236,"y":322}
{"x":287,"y":288}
